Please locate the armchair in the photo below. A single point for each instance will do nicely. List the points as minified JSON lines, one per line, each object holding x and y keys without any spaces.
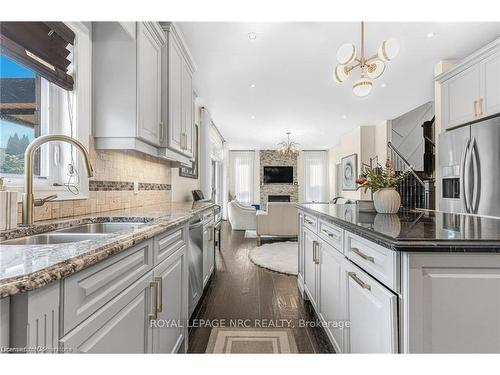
{"x":241,"y":217}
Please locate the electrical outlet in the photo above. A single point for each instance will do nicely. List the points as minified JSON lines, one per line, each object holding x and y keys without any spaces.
{"x":136,"y":187}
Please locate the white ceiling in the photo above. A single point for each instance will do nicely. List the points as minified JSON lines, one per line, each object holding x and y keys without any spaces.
{"x":291,"y":67}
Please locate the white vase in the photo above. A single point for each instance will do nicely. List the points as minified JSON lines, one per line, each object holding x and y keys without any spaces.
{"x":387,"y":201}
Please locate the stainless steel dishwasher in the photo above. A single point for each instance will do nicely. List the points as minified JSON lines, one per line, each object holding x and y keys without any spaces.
{"x":195,"y":258}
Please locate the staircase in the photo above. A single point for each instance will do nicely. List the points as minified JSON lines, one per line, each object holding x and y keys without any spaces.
{"x":417,"y":190}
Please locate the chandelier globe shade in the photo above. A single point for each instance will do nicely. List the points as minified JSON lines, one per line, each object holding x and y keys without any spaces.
{"x":362,"y":87}
{"x":340,"y":74}
{"x":346,"y":54}
{"x":388,"y":49}
{"x":375,"y":69}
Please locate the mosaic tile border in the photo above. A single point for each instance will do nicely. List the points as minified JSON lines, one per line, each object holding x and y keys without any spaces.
{"x":95,"y":185}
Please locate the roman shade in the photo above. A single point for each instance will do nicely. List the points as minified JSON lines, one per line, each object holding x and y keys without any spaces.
{"x":41,"y":46}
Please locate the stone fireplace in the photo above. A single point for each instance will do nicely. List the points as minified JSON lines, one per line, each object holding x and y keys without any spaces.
{"x":268,"y":192}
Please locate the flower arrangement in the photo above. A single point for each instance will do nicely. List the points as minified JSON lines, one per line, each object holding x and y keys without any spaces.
{"x":378,"y":178}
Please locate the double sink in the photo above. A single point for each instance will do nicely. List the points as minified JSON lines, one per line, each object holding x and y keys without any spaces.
{"x":78,"y":233}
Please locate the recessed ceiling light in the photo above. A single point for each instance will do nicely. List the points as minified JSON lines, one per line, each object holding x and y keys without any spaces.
{"x":253,"y":117}
{"x":344,"y":116}
{"x":252,"y":36}
{"x":252,"y":85}
{"x":430,"y":35}
{"x":383,"y":85}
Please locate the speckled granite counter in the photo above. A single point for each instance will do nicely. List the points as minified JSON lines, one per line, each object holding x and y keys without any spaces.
{"x":415,"y":230}
{"x":27,"y":267}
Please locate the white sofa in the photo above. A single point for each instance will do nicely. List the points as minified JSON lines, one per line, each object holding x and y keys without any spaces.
{"x":280,"y":219}
{"x":241,"y":217}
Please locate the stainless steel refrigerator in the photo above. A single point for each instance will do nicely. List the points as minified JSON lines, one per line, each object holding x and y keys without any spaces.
{"x":469,"y":161}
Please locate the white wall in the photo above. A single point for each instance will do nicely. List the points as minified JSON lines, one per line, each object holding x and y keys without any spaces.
{"x":366,"y":141}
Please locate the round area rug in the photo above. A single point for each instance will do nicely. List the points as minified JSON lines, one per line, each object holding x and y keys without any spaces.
{"x":278,"y":256}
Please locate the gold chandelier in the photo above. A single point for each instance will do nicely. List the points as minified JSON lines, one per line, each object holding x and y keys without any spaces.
{"x":371,"y":67}
{"x":288,"y":147}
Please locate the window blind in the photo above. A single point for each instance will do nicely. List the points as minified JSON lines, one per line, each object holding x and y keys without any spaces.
{"x":42,"y":46}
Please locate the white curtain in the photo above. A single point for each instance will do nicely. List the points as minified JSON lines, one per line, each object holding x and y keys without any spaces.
{"x":243,"y":175}
{"x":315,"y":176}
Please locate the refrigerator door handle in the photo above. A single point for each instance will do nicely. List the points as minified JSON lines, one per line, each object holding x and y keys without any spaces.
{"x":476,"y":175}
{"x":463,"y":177}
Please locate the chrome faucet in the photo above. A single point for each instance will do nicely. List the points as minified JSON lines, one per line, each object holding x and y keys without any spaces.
{"x":29,"y":201}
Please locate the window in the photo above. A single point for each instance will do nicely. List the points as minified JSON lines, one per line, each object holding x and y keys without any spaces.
{"x":315,"y":176}
{"x":243,"y":175}
{"x":35,"y":102}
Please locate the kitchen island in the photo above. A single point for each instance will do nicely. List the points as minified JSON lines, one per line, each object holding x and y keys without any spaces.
{"x":100,"y":295}
{"x":414,"y":282}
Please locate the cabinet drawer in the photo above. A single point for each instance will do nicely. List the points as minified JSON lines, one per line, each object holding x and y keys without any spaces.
{"x":166,"y":244}
{"x":331,"y":234}
{"x":87,"y":291}
{"x":379,"y":262}
{"x":311,"y":222}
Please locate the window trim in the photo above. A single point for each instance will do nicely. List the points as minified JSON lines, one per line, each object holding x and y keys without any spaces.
{"x":83,"y":89}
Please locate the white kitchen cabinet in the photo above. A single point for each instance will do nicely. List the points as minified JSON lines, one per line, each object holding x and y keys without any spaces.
{"x":149,"y":124}
{"x":460,"y":95}
{"x":310,"y":249}
{"x":490,"y":85}
{"x":177,"y":93}
{"x":332,"y":293}
{"x":452,"y":303}
{"x":471,"y":89}
{"x":171,"y":278}
{"x":372,"y":313}
{"x":121,"y":326}
{"x":127,"y":86}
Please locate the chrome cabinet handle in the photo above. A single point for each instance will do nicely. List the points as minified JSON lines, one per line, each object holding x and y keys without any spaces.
{"x":360,"y":282}
{"x":159,"y":293}
{"x":475,"y":108}
{"x":161,"y":132}
{"x":358,"y":252}
{"x":153,"y":289}
{"x":480,"y":102}
{"x":315,"y":252}
{"x":308,"y":221}
{"x":330,"y":234}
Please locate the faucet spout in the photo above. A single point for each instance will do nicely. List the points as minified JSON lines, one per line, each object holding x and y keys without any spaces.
{"x":28,"y":197}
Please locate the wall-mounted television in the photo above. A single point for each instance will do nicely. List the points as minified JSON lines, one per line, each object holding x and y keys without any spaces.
{"x":278,"y":175}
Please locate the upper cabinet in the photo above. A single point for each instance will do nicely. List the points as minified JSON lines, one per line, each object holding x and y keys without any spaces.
{"x":471,"y":90}
{"x":127,"y":86}
{"x":143,"y":89}
{"x":177,"y":93}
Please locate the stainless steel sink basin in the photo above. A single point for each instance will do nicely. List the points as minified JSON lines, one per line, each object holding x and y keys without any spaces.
{"x":98,"y":228}
{"x":52,"y":238}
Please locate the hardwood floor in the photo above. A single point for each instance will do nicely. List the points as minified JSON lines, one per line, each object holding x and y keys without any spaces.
{"x":241,"y":290}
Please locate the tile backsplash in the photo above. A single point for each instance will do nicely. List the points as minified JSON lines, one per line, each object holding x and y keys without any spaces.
{"x":112,"y":186}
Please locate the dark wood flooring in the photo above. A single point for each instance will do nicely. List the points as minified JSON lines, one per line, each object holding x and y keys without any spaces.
{"x":241,"y":290}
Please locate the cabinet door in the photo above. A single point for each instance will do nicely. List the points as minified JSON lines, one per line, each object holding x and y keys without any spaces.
{"x":332,"y":293}
{"x":211,"y":250}
{"x":372,"y":312}
{"x":121,"y":326}
{"x":460,"y":94}
{"x":310,"y":276}
{"x":490,"y":85}
{"x":170,"y":331}
{"x":148,"y":86}
{"x":187,"y":110}
{"x":175,"y":117}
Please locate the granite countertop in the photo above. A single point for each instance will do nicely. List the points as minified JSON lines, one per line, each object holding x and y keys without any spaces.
{"x":415,"y":230}
{"x":27,"y":267}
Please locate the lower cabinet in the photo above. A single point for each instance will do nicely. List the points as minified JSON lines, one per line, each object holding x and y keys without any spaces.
{"x":121,"y":326}
{"x":331,"y":301}
{"x":310,"y":243}
{"x":170,"y":280}
{"x":372,"y":313}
